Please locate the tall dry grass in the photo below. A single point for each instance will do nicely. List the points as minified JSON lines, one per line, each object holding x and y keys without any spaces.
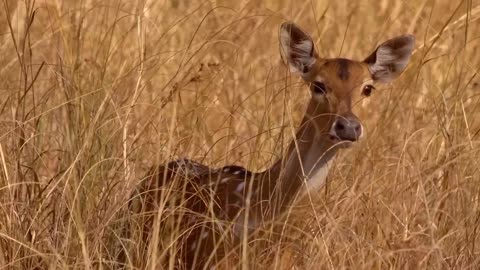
{"x":94,"y":92}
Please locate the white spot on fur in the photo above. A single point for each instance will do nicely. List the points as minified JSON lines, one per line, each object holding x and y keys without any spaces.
{"x":240,"y":187}
{"x":238,"y":172}
{"x":191,"y":167}
{"x":224,"y":180}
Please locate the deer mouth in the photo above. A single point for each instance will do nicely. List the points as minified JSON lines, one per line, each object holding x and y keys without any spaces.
{"x":344,"y":143}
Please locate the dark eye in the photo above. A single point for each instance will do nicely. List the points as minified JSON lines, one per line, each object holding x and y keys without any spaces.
{"x":367,"y":90}
{"x":319,"y":88}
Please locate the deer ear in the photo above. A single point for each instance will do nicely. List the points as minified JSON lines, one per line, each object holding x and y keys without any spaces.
{"x":296,"y":48}
{"x":390,"y":58}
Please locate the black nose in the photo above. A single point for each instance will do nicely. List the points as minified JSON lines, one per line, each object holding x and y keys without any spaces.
{"x":348,"y":128}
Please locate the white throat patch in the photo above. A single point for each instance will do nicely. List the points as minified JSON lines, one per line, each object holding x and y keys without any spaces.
{"x":317,"y":179}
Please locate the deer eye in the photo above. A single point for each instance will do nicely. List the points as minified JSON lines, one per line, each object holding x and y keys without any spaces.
{"x":367,"y":90}
{"x":319,"y":88}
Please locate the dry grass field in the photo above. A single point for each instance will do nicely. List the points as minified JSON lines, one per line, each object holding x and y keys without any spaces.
{"x":94,"y":92}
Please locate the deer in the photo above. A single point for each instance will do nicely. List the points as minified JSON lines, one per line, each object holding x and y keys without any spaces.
{"x":223,"y":206}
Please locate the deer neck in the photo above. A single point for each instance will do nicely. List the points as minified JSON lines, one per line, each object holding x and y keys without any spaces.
{"x":305,"y":165}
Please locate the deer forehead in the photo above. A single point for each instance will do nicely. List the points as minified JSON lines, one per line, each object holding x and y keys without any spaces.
{"x":343,"y":77}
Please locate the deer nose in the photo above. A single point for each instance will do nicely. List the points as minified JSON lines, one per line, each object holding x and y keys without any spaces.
{"x":348,"y":128}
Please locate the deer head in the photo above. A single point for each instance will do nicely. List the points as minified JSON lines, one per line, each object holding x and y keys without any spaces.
{"x":337,"y":84}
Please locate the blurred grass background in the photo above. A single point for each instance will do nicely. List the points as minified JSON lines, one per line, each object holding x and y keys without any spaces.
{"x":94,"y":92}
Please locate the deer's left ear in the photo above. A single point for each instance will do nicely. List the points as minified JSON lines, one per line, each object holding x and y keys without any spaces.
{"x":390,"y":58}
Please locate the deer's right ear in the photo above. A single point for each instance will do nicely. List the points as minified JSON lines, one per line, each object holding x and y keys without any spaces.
{"x":296,"y":48}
